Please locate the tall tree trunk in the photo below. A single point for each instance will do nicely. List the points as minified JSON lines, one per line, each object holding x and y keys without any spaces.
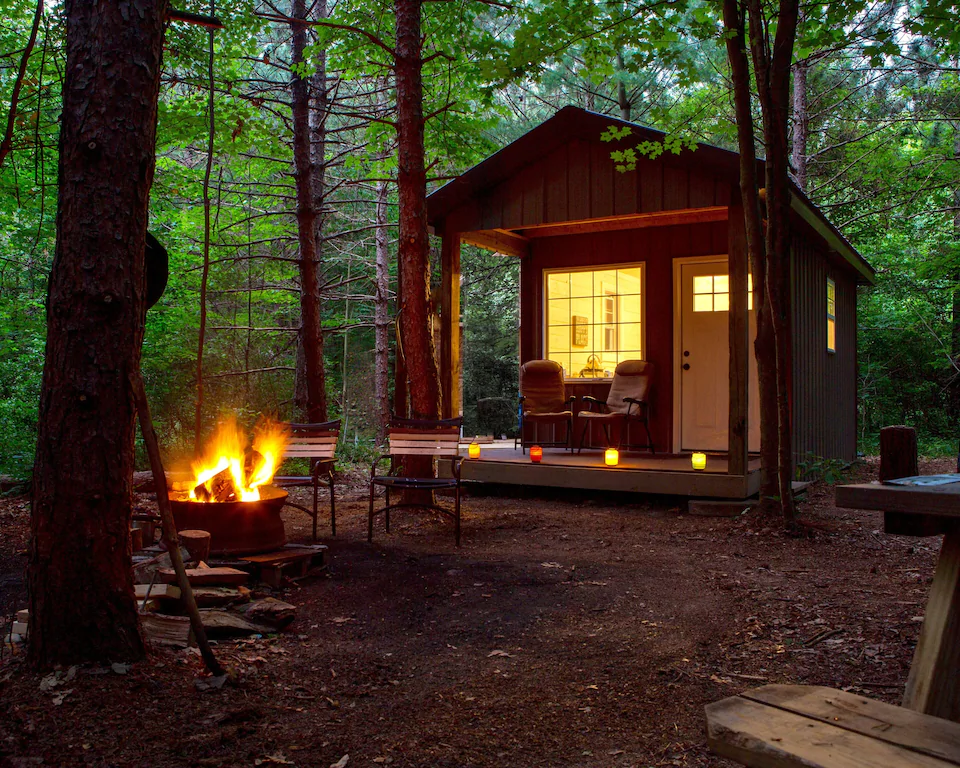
{"x":801,"y":123}
{"x":311,"y":332}
{"x":82,"y":606}
{"x":413,"y":253}
{"x":955,"y":320}
{"x":205,"y":274}
{"x":381,"y":316}
{"x":772,"y":68}
{"x":414,"y":247}
{"x":770,"y":253}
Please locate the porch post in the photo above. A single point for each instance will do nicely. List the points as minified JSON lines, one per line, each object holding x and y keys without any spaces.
{"x":450,"y":323}
{"x":738,"y":265}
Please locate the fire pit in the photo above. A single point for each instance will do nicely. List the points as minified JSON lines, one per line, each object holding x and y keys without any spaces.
{"x":236,"y":527}
{"x":229,"y":494}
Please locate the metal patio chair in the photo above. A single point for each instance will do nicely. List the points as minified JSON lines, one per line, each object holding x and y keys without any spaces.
{"x":418,"y":437}
{"x":317,"y":442}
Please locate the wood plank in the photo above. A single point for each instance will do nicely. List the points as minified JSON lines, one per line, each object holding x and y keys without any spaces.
{"x":601,"y":180}
{"x":676,"y":188}
{"x":23,"y":615}
{"x":308,"y":453}
{"x":166,"y":630}
{"x":719,"y":485}
{"x":762,"y":736}
{"x":450,"y":375}
{"x":169,"y":591}
{"x":20,"y":628}
{"x":626,"y":221}
{"x":207,"y":576}
{"x":933,"y":686}
{"x":578,"y":180}
{"x":280,"y":556}
{"x":499,"y":241}
{"x":322,"y":440}
{"x":738,"y":267}
{"x":424,"y":451}
{"x":896,"y":725}
{"x":941,"y":500}
{"x":555,"y":185}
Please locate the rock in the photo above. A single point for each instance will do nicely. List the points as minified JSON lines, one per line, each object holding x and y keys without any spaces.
{"x":220,"y":624}
{"x":270,"y":611}
{"x":217,"y":597}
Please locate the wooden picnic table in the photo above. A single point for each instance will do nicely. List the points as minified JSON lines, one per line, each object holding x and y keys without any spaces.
{"x":797,"y":726}
{"x":932,"y":686}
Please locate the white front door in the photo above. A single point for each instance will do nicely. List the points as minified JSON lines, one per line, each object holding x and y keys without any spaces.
{"x":703,"y":359}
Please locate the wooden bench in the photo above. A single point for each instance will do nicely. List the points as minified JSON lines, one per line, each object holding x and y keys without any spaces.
{"x":317,"y":442}
{"x":805,"y":726}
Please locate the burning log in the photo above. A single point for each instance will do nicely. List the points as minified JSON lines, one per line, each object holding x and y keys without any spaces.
{"x":218,"y":488}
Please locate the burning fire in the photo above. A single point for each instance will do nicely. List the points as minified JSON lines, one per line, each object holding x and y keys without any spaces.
{"x":229,"y":470}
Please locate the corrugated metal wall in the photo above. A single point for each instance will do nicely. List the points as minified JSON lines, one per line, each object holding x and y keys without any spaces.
{"x":824,"y":383}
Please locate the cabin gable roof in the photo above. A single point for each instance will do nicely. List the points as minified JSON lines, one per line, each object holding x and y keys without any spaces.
{"x":561,"y":172}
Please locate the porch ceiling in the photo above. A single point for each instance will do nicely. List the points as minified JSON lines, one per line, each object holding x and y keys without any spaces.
{"x":516,"y":242}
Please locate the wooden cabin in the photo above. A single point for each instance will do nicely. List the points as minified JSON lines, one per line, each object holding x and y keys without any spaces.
{"x":637,"y":265}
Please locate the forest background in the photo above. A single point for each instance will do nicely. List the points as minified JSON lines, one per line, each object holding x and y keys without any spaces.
{"x":875,"y":143}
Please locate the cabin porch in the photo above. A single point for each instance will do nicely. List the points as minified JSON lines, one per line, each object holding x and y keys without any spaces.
{"x":670,"y":474}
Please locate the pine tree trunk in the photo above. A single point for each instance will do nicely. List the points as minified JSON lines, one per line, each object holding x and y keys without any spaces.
{"x":769,"y":255}
{"x":381,"y":316}
{"x":414,"y":248}
{"x":801,"y":123}
{"x":311,"y":333}
{"x":772,"y":67}
{"x":82,"y":606}
{"x":622,"y":100}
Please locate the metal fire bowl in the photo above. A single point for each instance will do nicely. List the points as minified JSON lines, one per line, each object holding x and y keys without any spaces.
{"x":235,"y":527}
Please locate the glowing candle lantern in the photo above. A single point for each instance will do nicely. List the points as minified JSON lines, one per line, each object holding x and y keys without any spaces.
{"x":699,"y":460}
{"x":536,"y":453}
{"x":474,"y":450}
{"x":611,"y":457}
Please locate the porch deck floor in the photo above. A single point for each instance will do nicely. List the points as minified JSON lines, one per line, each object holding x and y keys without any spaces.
{"x":500,"y":462}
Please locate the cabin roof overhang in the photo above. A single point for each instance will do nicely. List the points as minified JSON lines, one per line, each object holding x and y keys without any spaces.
{"x":575,"y":123}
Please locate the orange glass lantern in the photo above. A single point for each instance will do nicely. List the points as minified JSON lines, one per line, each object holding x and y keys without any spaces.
{"x":611,"y":457}
{"x":699,"y":461}
{"x":474,"y":450}
{"x":536,"y":453}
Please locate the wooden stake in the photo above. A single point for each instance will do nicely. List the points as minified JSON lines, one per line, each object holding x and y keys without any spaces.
{"x":169,"y":528}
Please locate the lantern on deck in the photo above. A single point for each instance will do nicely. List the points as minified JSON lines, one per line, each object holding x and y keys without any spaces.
{"x":536,"y":453}
{"x":611,"y":457}
{"x":474,"y":450}
{"x":699,"y":461}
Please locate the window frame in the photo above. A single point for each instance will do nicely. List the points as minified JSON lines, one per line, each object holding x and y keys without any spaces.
{"x":545,"y":305}
{"x":831,"y":317}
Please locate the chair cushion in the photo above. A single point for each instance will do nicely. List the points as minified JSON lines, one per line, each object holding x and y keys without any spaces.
{"x":541,"y":384}
{"x":632,"y":378}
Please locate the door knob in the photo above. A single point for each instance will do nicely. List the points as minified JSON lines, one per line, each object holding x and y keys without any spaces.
{"x":686,"y":353}
{"x":686,"y":366}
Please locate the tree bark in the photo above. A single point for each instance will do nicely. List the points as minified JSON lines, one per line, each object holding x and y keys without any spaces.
{"x":769,"y":252}
{"x":381,"y":316}
{"x":414,"y":247}
{"x":82,"y":605}
{"x":205,"y":274}
{"x":311,"y":331}
{"x":623,"y":100}
{"x":801,"y":123}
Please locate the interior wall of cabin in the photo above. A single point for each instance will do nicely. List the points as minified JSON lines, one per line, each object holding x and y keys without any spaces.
{"x":654,"y":247}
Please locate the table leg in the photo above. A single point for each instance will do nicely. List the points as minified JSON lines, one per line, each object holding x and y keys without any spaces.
{"x":933,"y":686}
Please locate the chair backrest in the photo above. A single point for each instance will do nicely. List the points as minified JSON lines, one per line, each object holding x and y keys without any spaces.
{"x":424,"y":437}
{"x":632,"y":378}
{"x":541,"y":384}
{"x":313,"y":441}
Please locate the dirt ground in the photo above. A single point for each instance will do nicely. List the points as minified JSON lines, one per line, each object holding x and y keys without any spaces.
{"x":568,"y":630}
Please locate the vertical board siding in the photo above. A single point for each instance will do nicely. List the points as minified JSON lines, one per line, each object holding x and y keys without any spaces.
{"x":579,"y":181}
{"x":824,"y":383}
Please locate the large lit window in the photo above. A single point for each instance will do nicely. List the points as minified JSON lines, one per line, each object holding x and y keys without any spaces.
{"x":831,"y":316}
{"x":594,"y":319}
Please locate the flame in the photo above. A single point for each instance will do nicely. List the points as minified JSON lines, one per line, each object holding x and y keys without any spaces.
{"x":227,"y":450}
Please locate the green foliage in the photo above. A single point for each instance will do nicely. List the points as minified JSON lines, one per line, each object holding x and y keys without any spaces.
{"x":830,"y":471}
